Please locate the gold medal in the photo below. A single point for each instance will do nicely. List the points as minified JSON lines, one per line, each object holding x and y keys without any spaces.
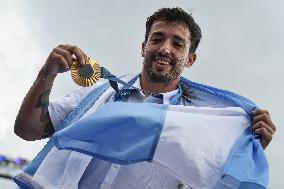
{"x":87,"y":74}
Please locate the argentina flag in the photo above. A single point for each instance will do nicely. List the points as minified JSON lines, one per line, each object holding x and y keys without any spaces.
{"x":204,"y":147}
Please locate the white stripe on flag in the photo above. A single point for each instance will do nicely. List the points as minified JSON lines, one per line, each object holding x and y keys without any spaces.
{"x":61,"y":169}
{"x":195,"y":142}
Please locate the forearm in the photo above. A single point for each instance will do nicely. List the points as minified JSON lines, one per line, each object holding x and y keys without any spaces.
{"x":33,"y":121}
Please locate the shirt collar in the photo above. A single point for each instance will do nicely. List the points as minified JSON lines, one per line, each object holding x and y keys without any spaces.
{"x":166,"y":96}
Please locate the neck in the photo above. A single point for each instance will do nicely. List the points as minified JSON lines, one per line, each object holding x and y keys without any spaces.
{"x":154,"y":87}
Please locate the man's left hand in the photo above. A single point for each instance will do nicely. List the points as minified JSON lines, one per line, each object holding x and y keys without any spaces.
{"x":263,"y":125}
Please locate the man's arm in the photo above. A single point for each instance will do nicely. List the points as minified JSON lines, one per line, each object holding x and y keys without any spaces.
{"x":33,"y":121}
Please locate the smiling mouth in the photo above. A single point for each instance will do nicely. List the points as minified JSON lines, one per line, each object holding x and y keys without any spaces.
{"x":163,"y":61}
{"x":161,"y":65}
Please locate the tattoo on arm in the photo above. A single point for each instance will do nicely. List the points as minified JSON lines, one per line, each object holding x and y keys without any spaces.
{"x":48,"y":130}
{"x":43,"y":102}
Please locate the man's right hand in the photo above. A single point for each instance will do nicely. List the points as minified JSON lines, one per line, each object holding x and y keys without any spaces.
{"x":33,"y":121}
{"x":61,"y":58}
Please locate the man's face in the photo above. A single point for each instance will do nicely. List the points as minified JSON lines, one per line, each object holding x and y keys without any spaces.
{"x":166,"y":52}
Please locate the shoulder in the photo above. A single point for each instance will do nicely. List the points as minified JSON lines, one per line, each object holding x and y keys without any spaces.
{"x":214,"y":94}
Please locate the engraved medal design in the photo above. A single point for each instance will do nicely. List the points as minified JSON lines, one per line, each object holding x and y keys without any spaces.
{"x":86,"y":75}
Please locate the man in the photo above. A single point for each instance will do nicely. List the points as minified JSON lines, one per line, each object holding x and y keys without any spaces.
{"x":171,"y":39}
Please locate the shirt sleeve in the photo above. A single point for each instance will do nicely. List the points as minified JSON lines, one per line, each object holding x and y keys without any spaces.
{"x":60,"y":108}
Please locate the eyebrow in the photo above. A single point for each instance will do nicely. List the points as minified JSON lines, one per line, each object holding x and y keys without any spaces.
{"x":157,"y":34}
{"x":176,"y":37}
{"x":179,"y":38}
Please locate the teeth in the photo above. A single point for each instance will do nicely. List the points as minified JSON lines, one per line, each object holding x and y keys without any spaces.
{"x":162,"y":62}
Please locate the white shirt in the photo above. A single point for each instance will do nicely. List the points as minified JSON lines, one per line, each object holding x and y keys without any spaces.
{"x":140,"y":97}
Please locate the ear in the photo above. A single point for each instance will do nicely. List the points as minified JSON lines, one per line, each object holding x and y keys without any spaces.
{"x":191,"y":59}
{"x":143,"y":49}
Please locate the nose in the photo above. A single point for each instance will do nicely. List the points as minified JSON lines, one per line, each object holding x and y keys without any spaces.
{"x":165,"y":47}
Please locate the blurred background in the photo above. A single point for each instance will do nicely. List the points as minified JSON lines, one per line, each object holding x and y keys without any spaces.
{"x":241,"y":50}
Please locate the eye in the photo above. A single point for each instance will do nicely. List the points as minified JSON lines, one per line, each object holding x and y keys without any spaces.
{"x":156,"y":40}
{"x":179,"y":44}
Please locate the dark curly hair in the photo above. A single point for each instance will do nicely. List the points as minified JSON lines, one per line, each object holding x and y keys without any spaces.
{"x":176,"y":15}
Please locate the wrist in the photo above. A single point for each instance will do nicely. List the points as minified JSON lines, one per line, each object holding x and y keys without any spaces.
{"x":44,"y":76}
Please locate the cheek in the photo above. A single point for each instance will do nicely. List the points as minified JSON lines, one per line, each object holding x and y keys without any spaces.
{"x":148,"y":53}
{"x":181,"y":60}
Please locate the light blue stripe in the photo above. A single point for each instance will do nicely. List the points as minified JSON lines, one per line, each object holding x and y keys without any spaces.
{"x":32,"y":167}
{"x":247,"y":162}
{"x":84,"y":105}
{"x":118,"y":132}
{"x":229,"y":182}
{"x":241,"y":101}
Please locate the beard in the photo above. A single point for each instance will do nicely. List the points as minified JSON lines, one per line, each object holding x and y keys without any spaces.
{"x":159,"y":77}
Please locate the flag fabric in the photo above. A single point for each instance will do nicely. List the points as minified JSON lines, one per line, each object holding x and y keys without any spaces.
{"x":204,"y":147}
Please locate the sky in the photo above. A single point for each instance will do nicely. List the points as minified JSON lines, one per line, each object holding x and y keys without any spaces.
{"x":241,"y":51}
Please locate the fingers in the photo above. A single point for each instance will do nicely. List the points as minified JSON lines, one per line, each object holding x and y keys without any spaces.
{"x":266,"y":136}
{"x":81,"y":57}
{"x":263,"y":125}
{"x":260,"y":111}
{"x":66,"y":55}
{"x":61,"y":58}
{"x":261,"y":115}
{"x":63,"y":66}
